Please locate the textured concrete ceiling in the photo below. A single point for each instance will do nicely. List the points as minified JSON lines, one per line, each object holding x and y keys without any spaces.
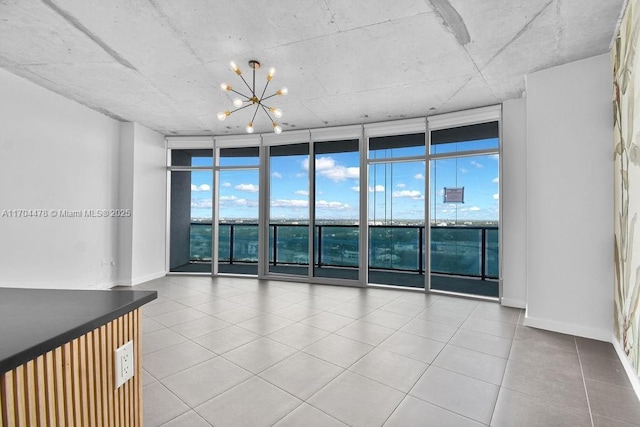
{"x":160,"y":62}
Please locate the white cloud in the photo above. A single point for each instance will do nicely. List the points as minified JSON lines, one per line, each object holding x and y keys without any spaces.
{"x":408,"y":194}
{"x":474,"y":208}
{"x":418,"y":176}
{"x":302,"y":192}
{"x":201,"y":203}
{"x":476,"y":164}
{"x":496,"y":196}
{"x":495,"y":156}
{"x":327,"y":167}
{"x":247,"y":187}
{"x":202,"y":187}
{"x":341,"y":173}
{"x":334,"y":206}
{"x":287,"y":203}
{"x":236,"y":201}
{"x":226,"y":184}
{"x":277,"y":175}
{"x":401,"y":185}
{"x":463,"y":170}
{"x":495,"y":180}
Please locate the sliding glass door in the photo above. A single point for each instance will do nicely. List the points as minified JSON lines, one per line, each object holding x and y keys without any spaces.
{"x":465,"y":209}
{"x":337,"y":213}
{"x":288,"y":251}
{"x":396,"y":210}
{"x":238,"y":210}
{"x":191,"y":207}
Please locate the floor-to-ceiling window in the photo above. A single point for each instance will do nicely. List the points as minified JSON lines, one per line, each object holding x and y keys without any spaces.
{"x":385,"y":204}
{"x":464,"y":205}
{"x":238,"y":188}
{"x":336,"y":204}
{"x":191,"y":207}
{"x":288,"y":251}
{"x":396,"y":208}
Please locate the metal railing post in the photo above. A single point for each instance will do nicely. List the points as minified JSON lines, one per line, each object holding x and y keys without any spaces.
{"x":275,"y":244}
{"x":231,"y":232}
{"x":484,"y":253}
{"x":420,"y":253}
{"x":319,"y":245}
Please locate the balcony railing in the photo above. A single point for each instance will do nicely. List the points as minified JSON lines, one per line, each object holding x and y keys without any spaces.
{"x":464,"y":251}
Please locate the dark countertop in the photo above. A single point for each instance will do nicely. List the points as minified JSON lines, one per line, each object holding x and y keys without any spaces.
{"x":35,"y":321}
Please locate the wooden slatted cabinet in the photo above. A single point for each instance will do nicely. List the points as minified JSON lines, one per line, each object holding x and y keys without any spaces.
{"x":74,"y":384}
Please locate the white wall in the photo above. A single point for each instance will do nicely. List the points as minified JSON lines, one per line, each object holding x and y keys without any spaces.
{"x":569,"y":199}
{"x":513,"y":196}
{"x":125,"y":201}
{"x":149,"y":205}
{"x":58,"y":155}
{"x":142,"y":191}
{"x":55,"y":154}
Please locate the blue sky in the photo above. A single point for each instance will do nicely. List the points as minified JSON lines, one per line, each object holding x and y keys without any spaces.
{"x":396,"y":191}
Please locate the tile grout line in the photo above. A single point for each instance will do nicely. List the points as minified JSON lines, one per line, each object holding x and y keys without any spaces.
{"x":493,"y":413}
{"x":584,"y":381}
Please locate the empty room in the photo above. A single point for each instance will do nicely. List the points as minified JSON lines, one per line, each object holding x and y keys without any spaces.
{"x":319,"y":213}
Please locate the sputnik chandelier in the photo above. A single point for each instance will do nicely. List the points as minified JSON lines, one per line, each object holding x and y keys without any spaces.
{"x":253,"y":99}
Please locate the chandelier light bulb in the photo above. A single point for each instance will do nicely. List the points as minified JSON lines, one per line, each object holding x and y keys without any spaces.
{"x":225,"y":86}
{"x":272,"y":72}
{"x":283,"y":91}
{"x":237,"y":102}
{"x":276,"y":128}
{"x":234,"y":68}
{"x":249,"y":127}
{"x":276,"y":112}
{"x":223,"y":115}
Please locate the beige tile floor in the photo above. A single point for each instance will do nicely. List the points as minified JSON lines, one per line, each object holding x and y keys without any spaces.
{"x":242,"y":352}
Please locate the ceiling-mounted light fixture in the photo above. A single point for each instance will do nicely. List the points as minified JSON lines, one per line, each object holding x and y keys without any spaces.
{"x":245,"y":101}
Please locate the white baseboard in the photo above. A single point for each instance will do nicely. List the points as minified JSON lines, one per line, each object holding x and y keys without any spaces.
{"x":568,"y":328}
{"x":141,"y":279}
{"x":515,"y":303}
{"x":633,"y":377}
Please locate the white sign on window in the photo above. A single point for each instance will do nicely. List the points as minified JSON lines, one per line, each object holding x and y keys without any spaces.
{"x":453,"y":195}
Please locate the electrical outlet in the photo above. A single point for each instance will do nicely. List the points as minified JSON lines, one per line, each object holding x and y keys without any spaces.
{"x":124,"y":366}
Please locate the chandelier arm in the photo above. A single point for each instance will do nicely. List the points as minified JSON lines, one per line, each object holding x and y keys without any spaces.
{"x":264,"y":90}
{"x":255,"y":113}
{"x":267,"y":113}
{"x":267,"y":97}
{"x":241,"y":108}
{"x":246,"y":84}
{"x":239,"y":93}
